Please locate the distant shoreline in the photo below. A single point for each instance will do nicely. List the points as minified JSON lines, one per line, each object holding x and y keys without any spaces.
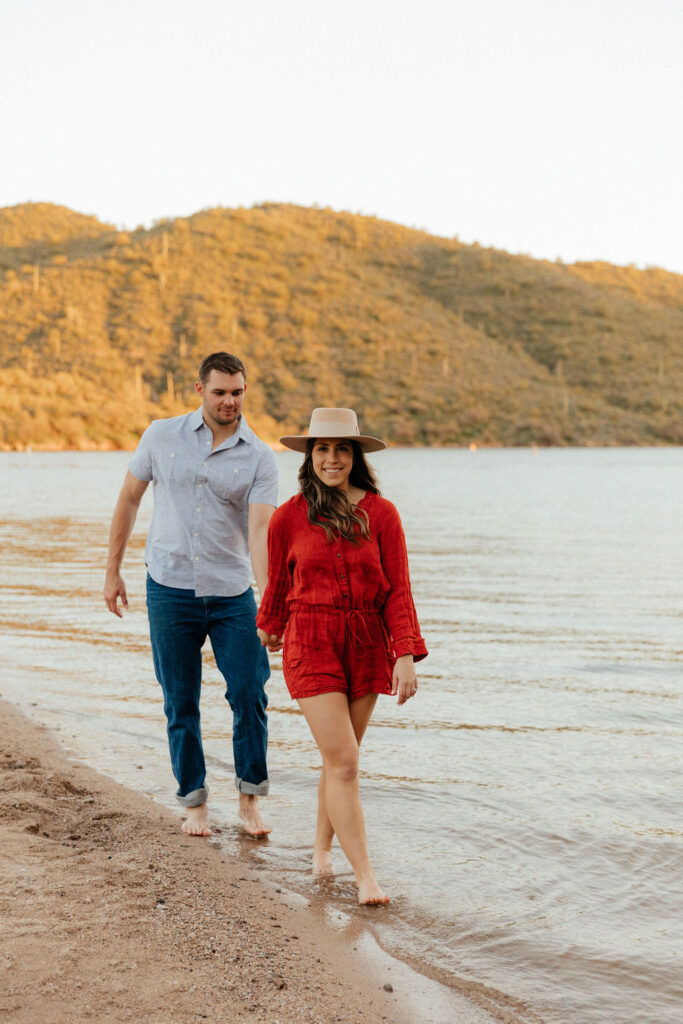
{"x":473,"y":447}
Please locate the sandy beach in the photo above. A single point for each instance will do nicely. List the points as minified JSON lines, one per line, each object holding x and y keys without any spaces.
{"x":109,"y":913}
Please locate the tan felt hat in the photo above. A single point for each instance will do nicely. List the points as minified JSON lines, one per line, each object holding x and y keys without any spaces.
{"x":333,"y":423}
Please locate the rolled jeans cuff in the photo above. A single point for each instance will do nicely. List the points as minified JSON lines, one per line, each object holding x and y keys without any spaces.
{"x":194,"y":799}
{"x":253,"y":788}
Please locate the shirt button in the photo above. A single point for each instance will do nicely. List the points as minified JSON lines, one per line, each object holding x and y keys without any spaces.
{"x":341,"y":577}
{"x":196,"y":534}
{"x":200,"y":486}
{"x":339,"y":554}
{"x":198,"y":509}
{"x":196,"y":558}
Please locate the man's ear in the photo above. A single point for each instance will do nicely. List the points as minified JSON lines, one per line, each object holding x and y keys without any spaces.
{"x":198,"y":387}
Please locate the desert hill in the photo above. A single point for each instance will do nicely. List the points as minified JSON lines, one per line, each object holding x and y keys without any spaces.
{"x":431,"y":340}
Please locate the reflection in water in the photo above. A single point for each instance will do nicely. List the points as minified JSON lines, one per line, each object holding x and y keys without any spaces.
{"x":525,"y":809}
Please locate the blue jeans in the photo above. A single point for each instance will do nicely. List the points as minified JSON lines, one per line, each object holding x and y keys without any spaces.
{"x":179,"y":623}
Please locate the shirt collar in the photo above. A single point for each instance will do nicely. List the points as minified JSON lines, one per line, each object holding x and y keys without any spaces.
{"x":243,"y":432}
{"x":196,"y":419}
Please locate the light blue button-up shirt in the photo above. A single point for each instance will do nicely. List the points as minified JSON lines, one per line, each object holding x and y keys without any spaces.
{"x":198,"y":539}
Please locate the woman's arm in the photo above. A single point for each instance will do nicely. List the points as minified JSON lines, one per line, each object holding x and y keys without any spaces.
{"x":272,"y":613}
{"x":399,"y":610}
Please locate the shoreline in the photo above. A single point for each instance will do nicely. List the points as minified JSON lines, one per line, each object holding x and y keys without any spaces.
{"x":471,"y":446}
{"x":110,"y":912}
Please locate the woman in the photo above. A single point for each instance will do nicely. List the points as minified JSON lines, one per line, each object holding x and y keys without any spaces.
{"x":338,"y":599}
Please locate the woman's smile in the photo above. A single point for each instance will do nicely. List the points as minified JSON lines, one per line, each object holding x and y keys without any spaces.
{"x":332,"y":462}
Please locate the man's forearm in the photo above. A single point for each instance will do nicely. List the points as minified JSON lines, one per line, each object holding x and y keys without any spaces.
{"x":122,"y":524}
{"x":258,"y":549}
{"x":259,"y":518}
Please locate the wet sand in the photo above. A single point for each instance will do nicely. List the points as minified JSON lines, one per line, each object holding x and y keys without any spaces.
{"x":109,"y":913}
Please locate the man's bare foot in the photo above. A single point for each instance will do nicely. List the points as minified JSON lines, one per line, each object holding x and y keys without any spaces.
{"x":197,"y":821}
{"x":322,"y":862}
{"x":252,"y":821}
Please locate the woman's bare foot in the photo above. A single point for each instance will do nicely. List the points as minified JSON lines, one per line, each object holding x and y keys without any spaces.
{"x":197,"y":821}
{"x":252,"y":821}
{"x":369,"y":892}
{"x":322,"y":862}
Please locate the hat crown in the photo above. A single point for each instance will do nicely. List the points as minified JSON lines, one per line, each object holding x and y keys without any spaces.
{"x":326,"y":422}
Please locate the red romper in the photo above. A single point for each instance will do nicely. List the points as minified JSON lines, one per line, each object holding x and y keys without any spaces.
{"x":346,"y":609}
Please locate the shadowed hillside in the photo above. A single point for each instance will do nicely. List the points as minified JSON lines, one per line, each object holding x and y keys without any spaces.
{"x":432,"y":341}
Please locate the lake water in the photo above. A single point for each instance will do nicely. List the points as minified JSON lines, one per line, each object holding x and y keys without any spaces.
{"x":525,"y":810}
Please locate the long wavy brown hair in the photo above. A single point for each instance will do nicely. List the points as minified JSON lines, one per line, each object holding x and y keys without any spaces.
{"x":328,"y":507}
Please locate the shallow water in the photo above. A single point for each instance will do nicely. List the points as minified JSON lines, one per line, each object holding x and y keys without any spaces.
{"x":525,"y":809}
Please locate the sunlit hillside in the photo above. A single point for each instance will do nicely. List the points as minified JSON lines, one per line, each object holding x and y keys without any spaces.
{"x":432,"y":341}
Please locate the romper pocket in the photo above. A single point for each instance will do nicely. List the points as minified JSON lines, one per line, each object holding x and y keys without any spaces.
{"x":293,"y":651}
{"x":314,"y":640}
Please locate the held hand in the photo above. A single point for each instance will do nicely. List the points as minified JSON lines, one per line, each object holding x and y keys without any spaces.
{"x":271,"y":641}
{"x":115,"y":588}
{"x":404,"y":682}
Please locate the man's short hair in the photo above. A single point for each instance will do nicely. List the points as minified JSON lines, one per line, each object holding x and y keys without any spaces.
{"x":224,"y":362}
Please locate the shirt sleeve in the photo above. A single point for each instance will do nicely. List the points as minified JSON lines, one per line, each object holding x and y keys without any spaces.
{"x":399,"y":612}
{"x":273,"y":614}
{"x":140,"y":464}
{"x":264,"y":488}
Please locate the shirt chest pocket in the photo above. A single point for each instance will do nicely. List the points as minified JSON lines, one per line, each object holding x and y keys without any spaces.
{"x":176,"y":469}
{"x":229,"y":483}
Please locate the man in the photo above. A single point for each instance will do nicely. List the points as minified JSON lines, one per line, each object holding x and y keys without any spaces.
{"x":215,"y":489}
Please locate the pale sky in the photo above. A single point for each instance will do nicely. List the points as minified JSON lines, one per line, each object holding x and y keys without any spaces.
{"x":549,"y":127}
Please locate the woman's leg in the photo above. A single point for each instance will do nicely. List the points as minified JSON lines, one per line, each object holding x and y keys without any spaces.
{"x":324,"y":834}
{"x":329,"y":719}
{"x":360,"y":711}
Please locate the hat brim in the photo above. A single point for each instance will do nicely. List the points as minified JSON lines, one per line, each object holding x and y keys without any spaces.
{"x":298,"y":442}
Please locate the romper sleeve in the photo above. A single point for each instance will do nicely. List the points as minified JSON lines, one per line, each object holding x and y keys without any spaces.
{"x":272,"y":614}
{"x":399,"y":612}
